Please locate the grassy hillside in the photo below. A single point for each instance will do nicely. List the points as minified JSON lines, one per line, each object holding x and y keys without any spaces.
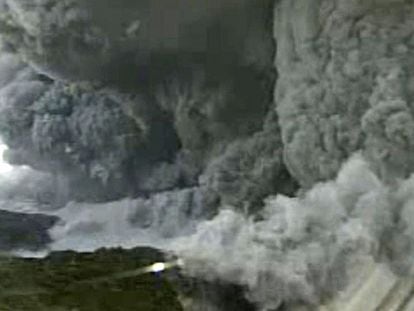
{"x":64,"y":281}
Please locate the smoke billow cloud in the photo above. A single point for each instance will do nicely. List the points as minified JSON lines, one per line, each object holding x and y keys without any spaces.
{"x":135,"y":132}
{"x":300,"y":249}
{"x":127,"y":223}
{"x":303,"y":249}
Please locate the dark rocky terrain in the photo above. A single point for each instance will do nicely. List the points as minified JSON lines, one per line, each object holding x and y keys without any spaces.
{"x":24,"y":231}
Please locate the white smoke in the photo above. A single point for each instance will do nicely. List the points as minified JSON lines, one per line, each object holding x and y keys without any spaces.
{"x":304,"y":248}
{"x":21,"y":186}
{"x":299,"y":249}
{"x":5,"y":167}
{"x":127,"y":223}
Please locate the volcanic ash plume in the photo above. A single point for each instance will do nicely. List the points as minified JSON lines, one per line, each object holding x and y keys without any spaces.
{"x":303,"y":249}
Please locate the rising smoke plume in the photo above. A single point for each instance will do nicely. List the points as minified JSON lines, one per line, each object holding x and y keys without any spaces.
{"x":181,"y":127}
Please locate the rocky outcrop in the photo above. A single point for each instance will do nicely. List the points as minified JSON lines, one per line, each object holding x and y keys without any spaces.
{"x":20,"y":231}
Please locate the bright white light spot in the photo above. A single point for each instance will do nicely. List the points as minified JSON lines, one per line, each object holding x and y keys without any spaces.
{"x":158,"y":267}
{"x":180,"y":262}
{"x":4,"y":166}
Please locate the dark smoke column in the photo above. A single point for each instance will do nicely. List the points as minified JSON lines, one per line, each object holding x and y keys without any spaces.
{"x":345,"y":84}
{"x":89,"y":40}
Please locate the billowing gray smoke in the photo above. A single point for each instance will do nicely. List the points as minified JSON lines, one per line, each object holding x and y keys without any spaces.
{"x":345,"y":85}
{"x":302,"y":249}
{"x":162,"y":123}
{"x":299,"y":249}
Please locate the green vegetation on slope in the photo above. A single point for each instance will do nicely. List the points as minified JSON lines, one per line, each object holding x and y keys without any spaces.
{"x":57,"y":283}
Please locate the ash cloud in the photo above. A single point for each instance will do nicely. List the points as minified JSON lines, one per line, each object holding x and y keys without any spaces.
{"x":301,"y":250}
{"x":155,"y":123}
{"x":305,"y":249}
{"x":109,"y":103}
{"x":341,"y":62}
